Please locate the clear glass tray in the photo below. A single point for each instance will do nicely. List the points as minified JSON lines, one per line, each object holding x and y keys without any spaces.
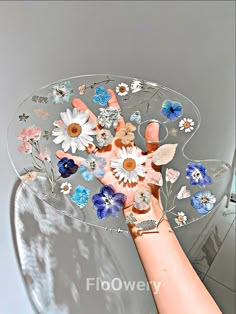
{"x":190,"y":189}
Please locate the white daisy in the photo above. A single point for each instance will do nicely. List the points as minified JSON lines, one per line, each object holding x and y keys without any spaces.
{"x":186,"y":124}
{"x":122,"y":89}
{"x":74,"y":130}
{"x":65,"y":188}
{"x":128,"y":164}
{"x":181,"y":219}
{"x":136,"y":85}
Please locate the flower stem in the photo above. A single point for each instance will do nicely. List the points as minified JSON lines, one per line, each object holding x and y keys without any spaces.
{"x":97,"y":83}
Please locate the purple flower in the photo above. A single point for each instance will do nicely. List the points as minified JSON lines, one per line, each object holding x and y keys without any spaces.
{"x":172,"y":110}
{"x":203,"y":201}
{"x":197,"y":174}
{"x":107,"y":202}
{"x":67,"y":167}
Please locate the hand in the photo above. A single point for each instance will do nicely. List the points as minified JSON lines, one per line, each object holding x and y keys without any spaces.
{"x":109,"y":152}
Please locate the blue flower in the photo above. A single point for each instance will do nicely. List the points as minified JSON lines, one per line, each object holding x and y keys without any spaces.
{"x":172,"y":110}
{"x":61,"y":93}
{"x":92,"y":167}
{"x":107,"y":202}
{"x":67,"y":167}
{"x":80,"y":196}
{"x":197,"y":174}
{"x":101,"y":96}
{"x":203,"y":201}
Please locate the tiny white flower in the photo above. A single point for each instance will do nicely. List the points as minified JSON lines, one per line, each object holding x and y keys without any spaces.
{"x":136,"y":85}
{"x":181,"y":219}
{"x":186,"y":124}
{"x":65,"y":188}
{"x":122,"y":89}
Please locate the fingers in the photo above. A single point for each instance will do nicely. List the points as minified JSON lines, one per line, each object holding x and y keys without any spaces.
{"x":113,"y":102}
{"x":152,"y":136}
{"x":77,"y":160}
{"x":80,"y":105}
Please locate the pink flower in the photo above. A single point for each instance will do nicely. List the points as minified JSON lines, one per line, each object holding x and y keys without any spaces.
{"x":29,"y":176}
{"x":45,"y":155}
{"x":172,"y":175}
{"x":25,"y":148}
{"x":126,"y":134}
{"x":183,"y":193}
{"x":153,"y":177}
{"x":30,"y":133}
{"x":81,"y":89}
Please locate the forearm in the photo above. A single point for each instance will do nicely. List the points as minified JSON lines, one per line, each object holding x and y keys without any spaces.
{"x":165,"y":263}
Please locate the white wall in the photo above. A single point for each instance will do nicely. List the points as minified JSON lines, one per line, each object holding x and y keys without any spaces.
{"x":188,"y":46}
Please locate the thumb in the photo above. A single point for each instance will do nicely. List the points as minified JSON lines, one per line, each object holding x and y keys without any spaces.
{"x":77,"y":160}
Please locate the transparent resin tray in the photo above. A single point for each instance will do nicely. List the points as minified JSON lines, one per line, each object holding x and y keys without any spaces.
{"x":47,"y":123}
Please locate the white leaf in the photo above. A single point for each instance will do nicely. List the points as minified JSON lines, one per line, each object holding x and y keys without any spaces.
{"x":164,"y":154}
{"x":183,"y":193}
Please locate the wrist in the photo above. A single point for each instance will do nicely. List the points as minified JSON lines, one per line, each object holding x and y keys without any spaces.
{"x":150,"y":220}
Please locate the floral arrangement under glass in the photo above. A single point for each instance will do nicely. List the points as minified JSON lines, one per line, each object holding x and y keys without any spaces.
{"x":105,"y":117}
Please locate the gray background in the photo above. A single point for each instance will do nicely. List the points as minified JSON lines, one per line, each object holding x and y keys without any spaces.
{"x":188,"y":46}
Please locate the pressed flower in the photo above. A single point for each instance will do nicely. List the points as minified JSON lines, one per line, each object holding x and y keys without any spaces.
{"x":92,"y":167}
{"x":142,"y":198}
{"x":107,"y":202}
{"x":30,"y":133}
{"x":82,"y":89}
{"x":172,"y":110}
{"x":23,"y":117}
{"x":122,"y":89}
{"x":81,"y":196}
{"x":173,"y":131}
{"x":61,"y":93}
{"x":186,"y":124}
{"x":66,"y":187}
{"x":25,"y":147}
{"x":136,"y":117}
{"x":108,"y":117}
{"x":197,"y":174}
{"x":101,"y":96}
{"x":104,"y":137}
{"x":45,"y":155}
{"x":126,"y":134}
{"x":128,"y":165}
{"x":130,"y":219}
{"x":183,"y":193}
{"x":67,"y":167}
{"x":136,"y":85}
{"x":203,"y":201}
{"x":74,"y":130}
{"x":154,"y":177}
{"x":29,"y":176}
{"x":181,"y":219}
{"x":172,"y":175}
